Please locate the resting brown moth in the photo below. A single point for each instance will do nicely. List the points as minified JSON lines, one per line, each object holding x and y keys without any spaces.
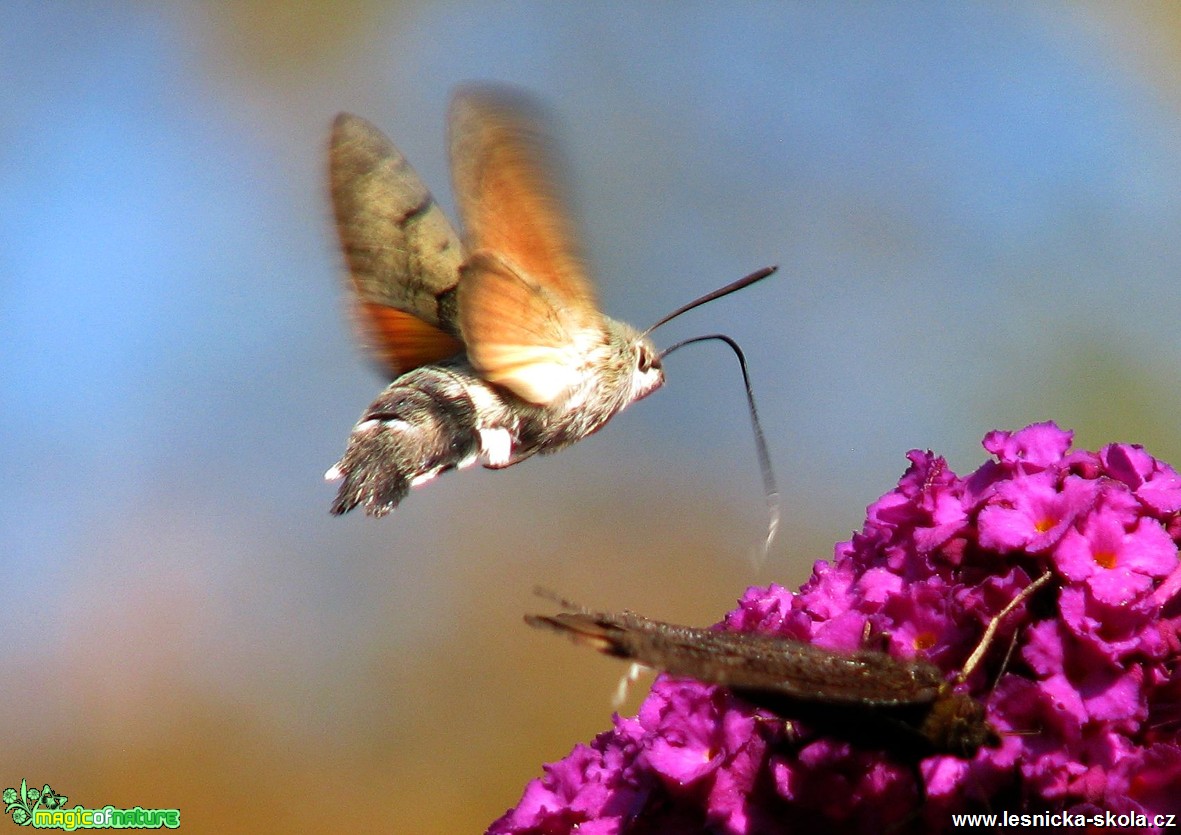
{"x":494,"y":342}
{"x":868,"y":697}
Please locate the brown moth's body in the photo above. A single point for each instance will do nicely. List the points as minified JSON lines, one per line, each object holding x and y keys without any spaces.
{"x":495,"y":345}
{"x":443,"y":417}
{"x":867,"y":697}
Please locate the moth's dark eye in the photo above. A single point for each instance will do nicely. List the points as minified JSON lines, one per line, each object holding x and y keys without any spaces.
{"x":647,"y":361}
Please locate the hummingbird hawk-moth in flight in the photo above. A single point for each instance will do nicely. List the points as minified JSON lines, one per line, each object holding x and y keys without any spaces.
{"x":494,"y":342}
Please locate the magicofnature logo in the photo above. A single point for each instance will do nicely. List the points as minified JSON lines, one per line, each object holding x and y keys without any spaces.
{"x":46,"y":809}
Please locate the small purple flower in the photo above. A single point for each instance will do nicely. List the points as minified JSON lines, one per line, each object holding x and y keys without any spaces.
{"x":1031,"y":513}
{"x":1153,"y":482}
{"x":1118,"y":563}
{"x":1031,"y":449}
{"x":1089,"y":704}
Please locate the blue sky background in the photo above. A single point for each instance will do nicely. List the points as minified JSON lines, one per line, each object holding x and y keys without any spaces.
{"x":974,"y":210}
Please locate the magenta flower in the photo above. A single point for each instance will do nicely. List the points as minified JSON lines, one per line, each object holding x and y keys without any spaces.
{"x":1088,"y":705}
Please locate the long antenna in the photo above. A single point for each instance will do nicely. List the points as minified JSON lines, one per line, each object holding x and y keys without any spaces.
{"x":757,"y":275}
{"x":989,"y":633}
{"x":770,"y":488}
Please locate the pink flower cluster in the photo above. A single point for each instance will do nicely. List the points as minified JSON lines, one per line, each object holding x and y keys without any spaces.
{"x":1088,"y":704}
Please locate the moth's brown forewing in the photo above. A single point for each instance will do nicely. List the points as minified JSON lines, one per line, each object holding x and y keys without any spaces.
{"x":402,"y":254}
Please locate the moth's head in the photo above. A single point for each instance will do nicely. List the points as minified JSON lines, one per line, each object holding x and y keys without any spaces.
{"x":649,"y":371}
{"x":956,"y":724}
{"x":640,"y":371}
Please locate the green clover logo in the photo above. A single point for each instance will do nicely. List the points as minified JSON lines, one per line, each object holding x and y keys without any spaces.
{"x":21,"y":804}
{"x":51,"y":799}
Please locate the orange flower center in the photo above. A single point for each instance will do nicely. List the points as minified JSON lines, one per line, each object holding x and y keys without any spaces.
{"x":1105,"y":558}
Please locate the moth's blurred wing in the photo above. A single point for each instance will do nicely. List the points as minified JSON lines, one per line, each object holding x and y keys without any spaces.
{"x":403,"y":255}
{"x":505,"y":181}
{"x":400,"y":341}
{"x":517,"y":334}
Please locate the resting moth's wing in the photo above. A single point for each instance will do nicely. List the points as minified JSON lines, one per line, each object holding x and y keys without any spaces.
{"x":403,"y":255}
{"x":527,"y":311}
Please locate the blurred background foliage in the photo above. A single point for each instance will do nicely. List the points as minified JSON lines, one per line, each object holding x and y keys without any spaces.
{"x":975,"y":209}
